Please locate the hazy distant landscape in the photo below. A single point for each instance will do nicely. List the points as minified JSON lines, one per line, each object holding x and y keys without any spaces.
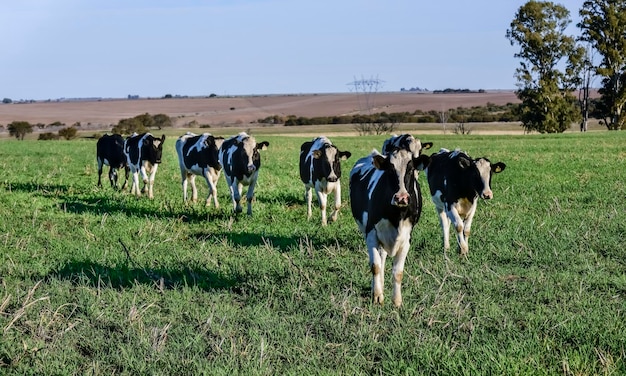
{"x":239,"y":110}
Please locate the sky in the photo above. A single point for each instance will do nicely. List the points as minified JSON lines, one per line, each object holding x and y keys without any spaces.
{"x":114,"y":48}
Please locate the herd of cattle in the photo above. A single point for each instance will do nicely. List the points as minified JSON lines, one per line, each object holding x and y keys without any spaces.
{"x":385,"y":195}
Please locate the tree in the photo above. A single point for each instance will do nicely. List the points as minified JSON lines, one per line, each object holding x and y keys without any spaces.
{"x":19,"y":129}
{"x":586,"y":77}
{"x":603,"y":25}
{"x":548,"y":104}
{"x":162,"y":121}
{"x":68,"y":133}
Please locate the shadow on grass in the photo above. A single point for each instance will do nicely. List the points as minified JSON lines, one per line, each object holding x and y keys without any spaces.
{"x":249,"y":239}
{"x":107,"y":200}
{"x":47,"y":190}
{"x":100,"y":276}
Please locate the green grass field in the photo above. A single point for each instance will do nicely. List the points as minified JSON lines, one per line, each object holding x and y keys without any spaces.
{"x":97,"y":282}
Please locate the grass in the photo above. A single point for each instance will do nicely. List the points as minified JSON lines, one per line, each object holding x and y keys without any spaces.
{"x":94,"y":281}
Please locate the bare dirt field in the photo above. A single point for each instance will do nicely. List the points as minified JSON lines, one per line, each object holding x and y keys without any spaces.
{"x":239,"y":110}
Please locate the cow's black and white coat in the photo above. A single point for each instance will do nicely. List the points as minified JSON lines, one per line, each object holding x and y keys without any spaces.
{"x":240,"y":158}
{"x":197,"y":155}
{"x":320,"y":168}
{"x":143,"y":153}
{"x":386,"y":203}
{"x":406,"y":142}
{"x":456,"y":182}
{"x":110,"y":152}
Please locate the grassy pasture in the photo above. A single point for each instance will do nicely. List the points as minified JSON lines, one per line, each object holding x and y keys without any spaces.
{"x":94,"y":281}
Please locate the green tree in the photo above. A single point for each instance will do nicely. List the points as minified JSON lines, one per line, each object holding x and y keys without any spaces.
{"x":603,"y":25}
{"x":162,"y":121}
{"x":19,"y":129}
{"x":68,"y":133}
{"x":548,"y":104}
{"x":140,"y":124}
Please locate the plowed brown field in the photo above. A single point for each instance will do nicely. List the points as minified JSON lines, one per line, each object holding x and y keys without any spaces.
{"x":239,"y":110}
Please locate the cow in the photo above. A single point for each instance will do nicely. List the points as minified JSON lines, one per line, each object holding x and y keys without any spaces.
{"x":197,"y":155}
{"x":407,"y":142}
{"x":240,"y":158}
{"x":143,"y":152}
{"x":320,"y":168}
{"x":386,"y":204}
{"x":456,"y":181}
{"x":110,"y":152}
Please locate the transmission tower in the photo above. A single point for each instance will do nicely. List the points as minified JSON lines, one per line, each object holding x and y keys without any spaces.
{"x":366,"y":90}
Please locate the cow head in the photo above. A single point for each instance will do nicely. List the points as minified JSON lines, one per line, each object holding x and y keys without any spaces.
{"x":406,"y":142}
{"x":248,"y":150}
{"x":401,"y":164}
{"x":328,"y":160}
{"x":154,"y":149}
{"x":481,"y":170}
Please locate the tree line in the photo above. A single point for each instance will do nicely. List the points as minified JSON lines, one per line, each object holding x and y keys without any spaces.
{"x":555,"y":65}
{"x":139,"y":124}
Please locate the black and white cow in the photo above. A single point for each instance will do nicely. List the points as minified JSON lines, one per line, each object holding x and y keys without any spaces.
{"x":406,"y":142}
{"x":110,"y":152}
{"x":143,"y":152}
{"x":197,"y":155}
{"x":456,"y":181}
{"x":320,"y":168}
{"x":386,"y":203}
{"x":240,"y":158}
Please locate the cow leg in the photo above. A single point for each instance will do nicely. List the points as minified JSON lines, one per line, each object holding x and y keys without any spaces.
{"x":468,"y":223}
{"x":194,"y":189}
{"x":151,"y":181}
{"x":398,"y":272}
{"x":322,"y":198}
{"x":134,"y":189}
{"x":235,"y":194}
{"x":377,"y":265}
{"x":99,"y":172}
{"x":113,"y":177}
{"x":211,"y":176}
{"x":126,"y":171}
{"x":444,"y":221}
{"x":250,"y":194}
{"x":335,"y":213}
{"x":144,"y":178}
{"x":459,"y":225}
{"x":184,"y":186}
{"x":308,"y":196}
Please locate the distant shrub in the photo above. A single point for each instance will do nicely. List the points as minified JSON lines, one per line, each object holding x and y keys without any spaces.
{"x":47,"y":136}
{"x":68,"y":133}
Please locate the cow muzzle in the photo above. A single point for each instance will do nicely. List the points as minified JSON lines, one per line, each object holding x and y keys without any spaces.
{"x":251,"y":168}
{"x":332,"y":179}
{"x":487,"y":194}
{"x":400,"y":199}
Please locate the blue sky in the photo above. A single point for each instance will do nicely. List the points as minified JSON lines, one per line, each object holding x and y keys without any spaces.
{"x":113,"y":48}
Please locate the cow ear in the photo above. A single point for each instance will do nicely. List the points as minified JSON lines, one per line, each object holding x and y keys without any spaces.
{"x":262,"y":145}
{"x":427,"y":145}
{"x":464,"y":162}
{"x":498,"y":167}
{"x":316,"y":154}
{"x":380,"y":162}
{"x":421,"y":162}
{"x":162,"y":138}
{"x":343,"y":155}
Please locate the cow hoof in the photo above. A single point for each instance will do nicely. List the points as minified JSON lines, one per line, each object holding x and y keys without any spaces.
{"x":378,"y":299}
